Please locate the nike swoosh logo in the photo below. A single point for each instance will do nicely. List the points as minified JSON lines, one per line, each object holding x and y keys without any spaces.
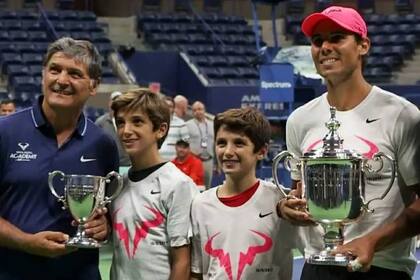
{"x":372,"y":120}
{"x":83,"y":159}
{"x":154,"y":192}
{"x":265,"y":215}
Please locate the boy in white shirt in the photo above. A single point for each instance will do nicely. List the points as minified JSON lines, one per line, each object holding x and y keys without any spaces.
{"x":151,"y":227}
{"x":237,"y":233}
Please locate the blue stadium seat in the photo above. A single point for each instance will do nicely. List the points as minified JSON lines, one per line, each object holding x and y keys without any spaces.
{"x":13,"y":70}
{"x":80,"y":35}
{"x":24,"y":83}
{"x":377,"y":75}
{"x":4,"y":14}
{"x":35,"y":70}
{"x":295,"y":6}
{"x":201,"y":60}
{"x":237,"y":61}
{"x":380,"y":40}
{"x":27,"y":15}
{"x":198,"y":39}
{"x":32,"y":58}
{"x":248,"y":72}
{"x":391,"y":19}
{"x":217,"y":61}
{"x":9,"y":58}
{"x":86,"y":16}
{"x":211,"y":72}
{"x":228,"y":73}
{"x":38,"y":36}
{"x":30,"y":25}
{"x":18,"y":35}
{"x":374,"y":19}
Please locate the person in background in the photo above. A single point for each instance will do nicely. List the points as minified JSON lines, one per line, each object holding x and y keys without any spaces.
{"x":151,"y":225}
{"x":202,"y":139}
{"x":181,"y":107}
{"x":177,"y":131}
{"x":372,"y":120}
{"x":7,"y":107}
{"x":188,"y":163}
{"x":54,"y":134}
{"x":107,"y":123}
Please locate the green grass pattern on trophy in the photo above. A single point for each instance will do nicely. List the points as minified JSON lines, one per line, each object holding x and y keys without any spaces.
{"x":340,"y":212}
{"x":82,"y":208}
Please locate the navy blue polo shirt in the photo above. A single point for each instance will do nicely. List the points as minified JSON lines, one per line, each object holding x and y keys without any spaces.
{"x":28,"y":151}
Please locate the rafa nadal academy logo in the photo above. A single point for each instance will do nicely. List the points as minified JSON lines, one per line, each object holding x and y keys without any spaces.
{"x":22,"y":154}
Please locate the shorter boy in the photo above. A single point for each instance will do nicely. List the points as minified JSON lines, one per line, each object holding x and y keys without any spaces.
{"x":151,"y":227}
{"x":236,"y":231}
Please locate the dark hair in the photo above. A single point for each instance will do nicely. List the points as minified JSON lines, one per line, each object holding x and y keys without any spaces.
{"x":81,"y":50}
{"x":249,"y":121}
{"x":7,"y":101}
{"x":149,"y":103}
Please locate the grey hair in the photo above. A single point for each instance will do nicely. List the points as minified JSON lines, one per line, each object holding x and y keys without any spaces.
{"x":81,"y":50}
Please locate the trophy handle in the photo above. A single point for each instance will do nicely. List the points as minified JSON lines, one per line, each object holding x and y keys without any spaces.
{"x":51,"y":176}
{"x":285,"y":157}
{"x":108,"y":199}
{"x":379,"y":157}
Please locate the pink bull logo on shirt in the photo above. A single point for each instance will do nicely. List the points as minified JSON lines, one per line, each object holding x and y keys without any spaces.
{"x":141,"y":230}
{"x":244,"y":258}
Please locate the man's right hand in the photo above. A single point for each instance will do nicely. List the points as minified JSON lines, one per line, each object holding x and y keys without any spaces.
{"x":47,"y":244}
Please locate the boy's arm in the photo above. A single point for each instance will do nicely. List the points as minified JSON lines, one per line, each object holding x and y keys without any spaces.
{"x":180,"y":267}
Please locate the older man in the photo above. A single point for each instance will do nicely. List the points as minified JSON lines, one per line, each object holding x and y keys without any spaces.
{"x":54,"y":134}
{"x":202,"y":139}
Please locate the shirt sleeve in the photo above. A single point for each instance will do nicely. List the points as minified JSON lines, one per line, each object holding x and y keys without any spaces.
{"x":178,"y":218}
{"x":407,"y":138}
{"x":196,"y":252}
{"x":292,"y":143}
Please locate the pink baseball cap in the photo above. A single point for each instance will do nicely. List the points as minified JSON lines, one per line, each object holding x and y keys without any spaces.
{"x":348,"y":18}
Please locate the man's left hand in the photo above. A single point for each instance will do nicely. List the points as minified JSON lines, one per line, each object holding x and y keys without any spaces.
{"x":97,"y":226}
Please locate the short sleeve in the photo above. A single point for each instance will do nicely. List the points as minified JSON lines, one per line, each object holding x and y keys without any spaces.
{"x":196,"y":252}
{"x":292,"y":143}
{"x":406,"y":138}
{"x":178,"y":218}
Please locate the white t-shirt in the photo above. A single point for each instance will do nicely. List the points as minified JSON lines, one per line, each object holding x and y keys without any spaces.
{"x":149,"y":217}
{"x":245,"y":242}
{"x":382,"y":122}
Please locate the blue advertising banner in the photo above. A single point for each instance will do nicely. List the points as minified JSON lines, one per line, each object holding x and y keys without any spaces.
{"x":277,"y":82}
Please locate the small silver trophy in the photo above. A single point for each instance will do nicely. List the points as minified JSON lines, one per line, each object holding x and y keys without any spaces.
{"x":83,"y":194}
{"x":333,"y":185}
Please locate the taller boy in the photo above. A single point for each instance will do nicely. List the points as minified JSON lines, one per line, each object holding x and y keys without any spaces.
{"x":151,"y":215}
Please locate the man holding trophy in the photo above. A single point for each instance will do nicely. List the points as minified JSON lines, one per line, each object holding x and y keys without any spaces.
{"x":54,"y":134}
{"x":365,"y":124}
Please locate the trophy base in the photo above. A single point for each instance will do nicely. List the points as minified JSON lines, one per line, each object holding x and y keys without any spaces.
{"x":84,"y":242}
{"x":325,"y":259}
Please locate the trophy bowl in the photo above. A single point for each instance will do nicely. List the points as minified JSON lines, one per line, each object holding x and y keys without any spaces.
{"x":333,"y":186}
{"x":83,"y":194}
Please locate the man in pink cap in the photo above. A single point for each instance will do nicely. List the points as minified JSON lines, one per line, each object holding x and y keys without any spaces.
{"x":372,"y":120}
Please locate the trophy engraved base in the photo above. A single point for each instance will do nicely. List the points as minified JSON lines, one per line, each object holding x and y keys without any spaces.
{"x":325,"y":258}
{"x":83,"y":242}
{"x":80,"y":240}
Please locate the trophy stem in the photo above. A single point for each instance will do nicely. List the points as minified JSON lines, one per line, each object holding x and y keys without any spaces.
{"x":333,"y":236}
{"x":80,"y":240}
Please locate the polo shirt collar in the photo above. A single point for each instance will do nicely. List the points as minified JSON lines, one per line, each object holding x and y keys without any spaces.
{"x":39,"y":119}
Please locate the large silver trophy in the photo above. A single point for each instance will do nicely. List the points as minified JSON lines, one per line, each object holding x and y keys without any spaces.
{"x":83,"y":194}
{"x":333,"y":186}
